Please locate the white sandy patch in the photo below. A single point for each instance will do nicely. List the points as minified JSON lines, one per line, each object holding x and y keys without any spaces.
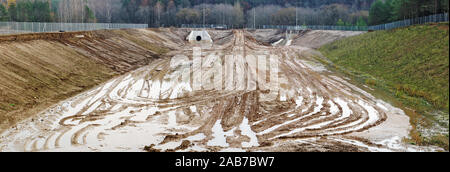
{"x":382,"y":106}
{"x":283,"y":97}
{"x":92,"y":108}
{"x":372,"y":118}
{"x":319,"y":106}
{"x":102,"y":93}
{"x":193,"y":109}
{"x":289,"y":43}
{"x":166,"y":87}
{"x":333,"y":108}
{"x":172,"y":120}
{"x":373,"y":114}
{"x":135,"y":89}
{"x":144,"y":113}
{"x":299,"y":101}
{"x":247,"y":131}
{"x":232,"y":150}
{"x":219,"y":135}
{"x":155,"y":89}
{"x":178,"y":90}
{"x":196,"y":137}
{"x":346,"y":112}
{"x":278,"y":42}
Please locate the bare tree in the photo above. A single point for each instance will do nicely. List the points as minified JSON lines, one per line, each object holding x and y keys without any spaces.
{"x":104,"y":9}
{"x":158,"y":10}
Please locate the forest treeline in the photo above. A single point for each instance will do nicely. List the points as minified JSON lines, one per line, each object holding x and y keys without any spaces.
{"x":234,"y":13}
{"x":384,"y":11}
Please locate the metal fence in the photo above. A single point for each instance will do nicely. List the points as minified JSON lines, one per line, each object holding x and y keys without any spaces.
{"x":28,"y":27}
{"x":403,"y":23}
{"x":408,"y":22}
{"x":211,"y":26}
{"x":317,"y":27}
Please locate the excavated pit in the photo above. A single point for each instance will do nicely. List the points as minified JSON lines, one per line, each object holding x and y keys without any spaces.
{"x":312,"y":109}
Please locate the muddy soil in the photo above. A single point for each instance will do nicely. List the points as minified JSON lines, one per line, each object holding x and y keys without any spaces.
{"x":312,"y":109}
{"x":38,"y":70}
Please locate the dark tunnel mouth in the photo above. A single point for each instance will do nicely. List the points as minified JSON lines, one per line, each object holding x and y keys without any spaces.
{"x":199,"y":38}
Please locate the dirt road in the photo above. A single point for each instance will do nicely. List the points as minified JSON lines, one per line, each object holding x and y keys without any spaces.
{"x":312,"y":109}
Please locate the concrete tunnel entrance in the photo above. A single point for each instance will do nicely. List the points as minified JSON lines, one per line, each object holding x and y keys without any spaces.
{"x":199,"y":36}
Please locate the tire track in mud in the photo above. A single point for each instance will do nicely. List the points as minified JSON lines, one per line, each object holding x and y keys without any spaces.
{"x":313,"y":111}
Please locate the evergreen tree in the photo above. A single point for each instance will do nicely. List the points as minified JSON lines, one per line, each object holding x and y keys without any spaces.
{"x":380,"y":12}
{"x":348,"y":24}
{"x":3,"y":13}
{"x":238,"y":14}
{"x":89,"y":15}
{"x":340,"y":23}
{"x":41,"y":12}
{"x":361,"y":22}
{"x":12,"y":10}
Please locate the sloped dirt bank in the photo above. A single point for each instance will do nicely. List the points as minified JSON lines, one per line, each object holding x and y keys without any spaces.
{"x":38,"y":70}
{"x":304,"y":38}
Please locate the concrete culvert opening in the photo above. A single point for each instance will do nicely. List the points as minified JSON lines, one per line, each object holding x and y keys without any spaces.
{"x":199,"y":37}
